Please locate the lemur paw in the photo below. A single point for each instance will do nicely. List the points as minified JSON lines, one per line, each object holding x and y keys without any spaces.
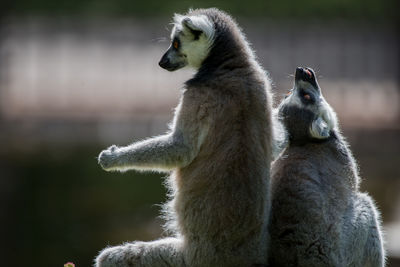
{"x":108,"y":158}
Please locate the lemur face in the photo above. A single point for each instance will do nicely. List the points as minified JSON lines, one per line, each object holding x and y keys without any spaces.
{"x":304,"y":112}
{"x":192,"y":38}
{"x":306,"y":92}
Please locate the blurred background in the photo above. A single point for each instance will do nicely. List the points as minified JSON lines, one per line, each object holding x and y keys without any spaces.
{"x":78,"y":76}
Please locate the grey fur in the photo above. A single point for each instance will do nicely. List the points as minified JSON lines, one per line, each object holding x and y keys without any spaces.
{"x":318,"y":216}
{"x":219,"y":151}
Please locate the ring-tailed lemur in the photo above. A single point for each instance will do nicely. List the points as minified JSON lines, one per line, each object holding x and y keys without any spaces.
{"x":218,"y":149}
{"x":318,"y":216}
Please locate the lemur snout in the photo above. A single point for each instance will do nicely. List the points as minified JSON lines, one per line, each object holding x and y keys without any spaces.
{"x":305,"y":74}
{"x":164,"y":62}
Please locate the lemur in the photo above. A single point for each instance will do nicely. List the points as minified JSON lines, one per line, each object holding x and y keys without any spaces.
{"x":318,"y":215}
{"x":218,"y":152}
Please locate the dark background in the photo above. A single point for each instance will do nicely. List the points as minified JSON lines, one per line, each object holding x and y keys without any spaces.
{"x":78,"y":76}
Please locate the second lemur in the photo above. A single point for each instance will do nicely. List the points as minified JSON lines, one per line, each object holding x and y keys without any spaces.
{"x":318,"y":215}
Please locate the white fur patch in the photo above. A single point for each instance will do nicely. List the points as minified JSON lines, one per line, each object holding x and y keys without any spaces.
{"x":319,"y":129}
{"x":328,"y":115}
{"x":199,"y":23}
{"x":196,"y":51}
{"x":326,"y":121}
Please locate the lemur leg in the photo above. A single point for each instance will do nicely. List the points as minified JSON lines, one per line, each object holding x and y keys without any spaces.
{"x":374,"y":250}
{"x":160,"y":253}
{"x":365,"y":248}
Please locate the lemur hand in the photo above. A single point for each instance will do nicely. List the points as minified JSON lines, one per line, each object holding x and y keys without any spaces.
{"x":108,"y":158}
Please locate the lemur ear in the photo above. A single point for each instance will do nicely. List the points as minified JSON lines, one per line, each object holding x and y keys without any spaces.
{"x":198,"y":25}
{"x":320,"y":129}
{"x":189,"y":25}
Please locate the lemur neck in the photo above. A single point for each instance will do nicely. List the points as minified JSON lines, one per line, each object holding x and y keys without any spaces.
{"x":228,"y":53}
{"x":336,"y":145}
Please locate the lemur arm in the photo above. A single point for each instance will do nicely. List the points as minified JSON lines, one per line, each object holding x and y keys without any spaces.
{"x":162,"y":153}
{"x":159,"y":153}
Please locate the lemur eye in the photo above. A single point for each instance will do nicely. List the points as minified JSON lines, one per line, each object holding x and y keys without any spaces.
{"x":288,"y":94}
{"x":175,"y":44}
{"x":307,"y":98}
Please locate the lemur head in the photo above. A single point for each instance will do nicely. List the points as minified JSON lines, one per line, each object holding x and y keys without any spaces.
{"x":304,"y":112}
{"x":191,"y":40}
